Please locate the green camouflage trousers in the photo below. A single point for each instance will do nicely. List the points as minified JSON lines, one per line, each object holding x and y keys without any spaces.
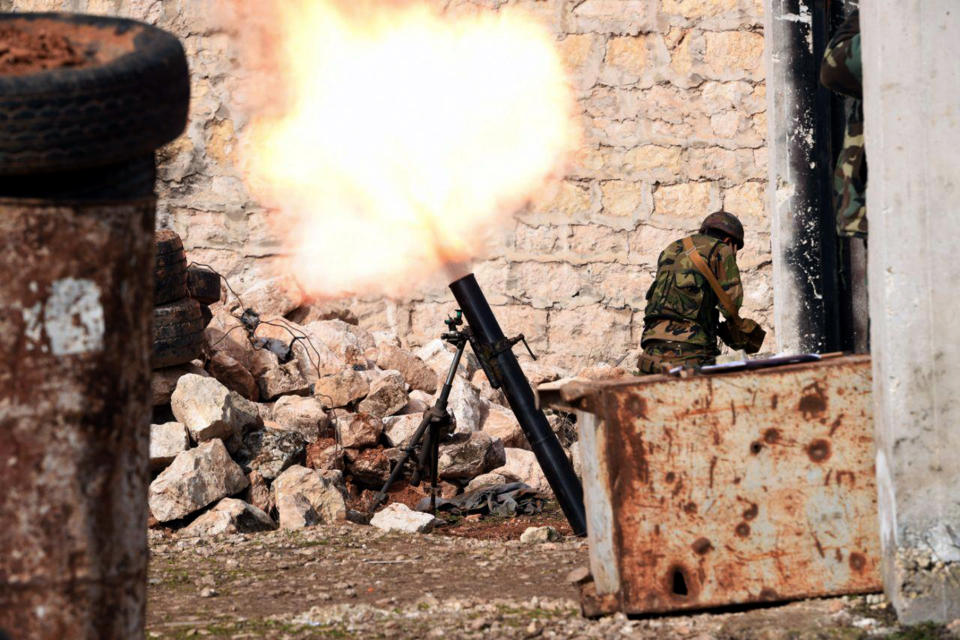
{"x":658,"y":354}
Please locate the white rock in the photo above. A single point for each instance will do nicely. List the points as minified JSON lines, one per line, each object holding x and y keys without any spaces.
{"x":490,"y":479}
{"x":277,"y":379}
{"x":502,"y":423}
{"x":466,"y":456}
{"x":305,"y":497}
{"x":357,"y":430}
{"x":387,"y":395}
{"x":167,"y":441}
{"x":466,"y":405}
{"x":523,"y":465}
{"x":399,"y":517}
{"x":164,"y":381}
{"x":385,"y":337}
{"x":341,"y":388}
{"x":539,"y":535}
{"x":418,"y":402}
{"x":209,"y":410}
{"x":197,"y":477}
{"x":438,"y":355}
{"x":270,"y":451}
{"x":400,"y":429}
{"x":230,"y":516}
{"x":306,"y":416}
{"x":576,"y":459}
{"x":349,"y":342}
{"x":415,"y":371}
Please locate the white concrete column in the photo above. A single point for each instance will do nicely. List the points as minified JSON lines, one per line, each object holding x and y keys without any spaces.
{"x":912,"y":106}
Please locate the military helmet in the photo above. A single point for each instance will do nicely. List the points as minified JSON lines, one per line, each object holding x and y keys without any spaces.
{"x":725,"y":223}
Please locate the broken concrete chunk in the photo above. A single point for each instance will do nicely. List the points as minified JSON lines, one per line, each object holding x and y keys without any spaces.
{"x":387,"y":396}
{"x":270,"y":451}
{"x":415,"y":371}
{"x":164,"y":381}
{"x":502,"y":423}
{"x":467,"y":455}
{"x":357,"y":430}
{"x":539,"y":535}
{"x":209,"y":410}
{"x":399,"y":517}
{"x":233,"y":375}
{"x":304,"y":497}
{"x":230,"y":516}
{"x":197,"y":477}
{"x":342,"y":388}
{"x":167,"y":441}
{"x":305,"y":415}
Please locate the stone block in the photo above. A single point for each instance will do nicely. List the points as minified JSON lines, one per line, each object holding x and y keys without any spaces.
{"x":356,"y":430}
{"x":734,"y":55}
{"x":194,"y":479}
{"x":747,"y":201}
{"x":305,"y":497}
{"x":415,"y":371}
{"x":387,"y":396}
{"x":209,"y":410}
{"x":688,"y":201}
{"x":625,"y":203}
{"x":167,"y":441}
{"x":305,"y":416}
{"x":270,"y":451}
{"x":399,"y":517}
{"x":341,"y":389}
{"x":467,"y":455}
{"x":629,"y":17}
{"x":230,"y":516}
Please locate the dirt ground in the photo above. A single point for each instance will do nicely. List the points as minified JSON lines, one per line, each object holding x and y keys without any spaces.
{"x":470,"y":580}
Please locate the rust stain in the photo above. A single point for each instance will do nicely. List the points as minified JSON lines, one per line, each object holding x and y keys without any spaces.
{"x":679,"y":583}
{"x":713,"y":465}
{"x":819,"y":450}
{"x":768,"y":595}
{"x":701,"y":546}
{"x":771,"y":435}
{"x":756,"y":447}
{"x":733,"y":413}
{"x":836,"y":424}
{"x":678,"y":488}
{"x":846,"y":474}
{"x":816,"y":543}
{"x":690,"y":508}
{"x":857,"y":562}
{"x":637,"y":406}
{"x":826,"y":480}
{"x":774,"y":401}
{"x":742,"y":530}
{"x":670,"y":477}
{"x":751,"y":512}
{"x":813,"y":402}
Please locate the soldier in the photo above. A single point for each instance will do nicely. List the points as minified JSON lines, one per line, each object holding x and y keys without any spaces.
{"x":694,"y":276}
{"x":842,"y":72}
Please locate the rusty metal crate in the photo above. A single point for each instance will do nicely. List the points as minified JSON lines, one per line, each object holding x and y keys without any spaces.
{"x":720,"y":490}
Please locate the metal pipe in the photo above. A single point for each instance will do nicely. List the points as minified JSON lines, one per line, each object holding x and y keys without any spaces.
{"x":495,"y":349}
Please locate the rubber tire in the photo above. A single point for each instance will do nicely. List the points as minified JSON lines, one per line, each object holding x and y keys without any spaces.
{"x":203,"y":285}
{"x":170,"y":270}
{"x":131,"y":179}
{"x":177,"y":333}
{"x":71,"y":118}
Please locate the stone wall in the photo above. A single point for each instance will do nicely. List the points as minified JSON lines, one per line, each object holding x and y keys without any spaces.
{"x":673,"y":109}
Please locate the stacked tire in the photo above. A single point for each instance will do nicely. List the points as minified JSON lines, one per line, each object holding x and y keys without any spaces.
{"x":181,"y":298}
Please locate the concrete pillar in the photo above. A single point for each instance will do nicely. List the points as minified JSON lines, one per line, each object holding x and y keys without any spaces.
{"x":912,"y":108}
{"x":796,"y":191}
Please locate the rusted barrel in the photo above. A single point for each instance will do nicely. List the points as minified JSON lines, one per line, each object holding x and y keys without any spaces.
{"x":76,"y":297}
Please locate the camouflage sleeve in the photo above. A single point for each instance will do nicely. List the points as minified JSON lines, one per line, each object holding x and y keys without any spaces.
{"x":842,"y":69}
{"x":724,"y":265}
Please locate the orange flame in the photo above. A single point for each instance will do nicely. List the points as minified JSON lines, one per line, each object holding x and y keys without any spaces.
{"x":403,"y":135}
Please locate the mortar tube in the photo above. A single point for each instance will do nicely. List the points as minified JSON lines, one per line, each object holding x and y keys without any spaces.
{"x":550,"y":454}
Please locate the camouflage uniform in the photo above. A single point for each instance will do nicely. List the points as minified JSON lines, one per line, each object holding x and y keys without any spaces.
{"x":682,"y":319}
{"x":842,"y":72}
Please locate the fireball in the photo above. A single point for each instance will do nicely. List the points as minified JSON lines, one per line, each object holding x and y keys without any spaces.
{"x":402,"y":135}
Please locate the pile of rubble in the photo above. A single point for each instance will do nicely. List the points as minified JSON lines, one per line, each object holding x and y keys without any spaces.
{"x":290,"y":424}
